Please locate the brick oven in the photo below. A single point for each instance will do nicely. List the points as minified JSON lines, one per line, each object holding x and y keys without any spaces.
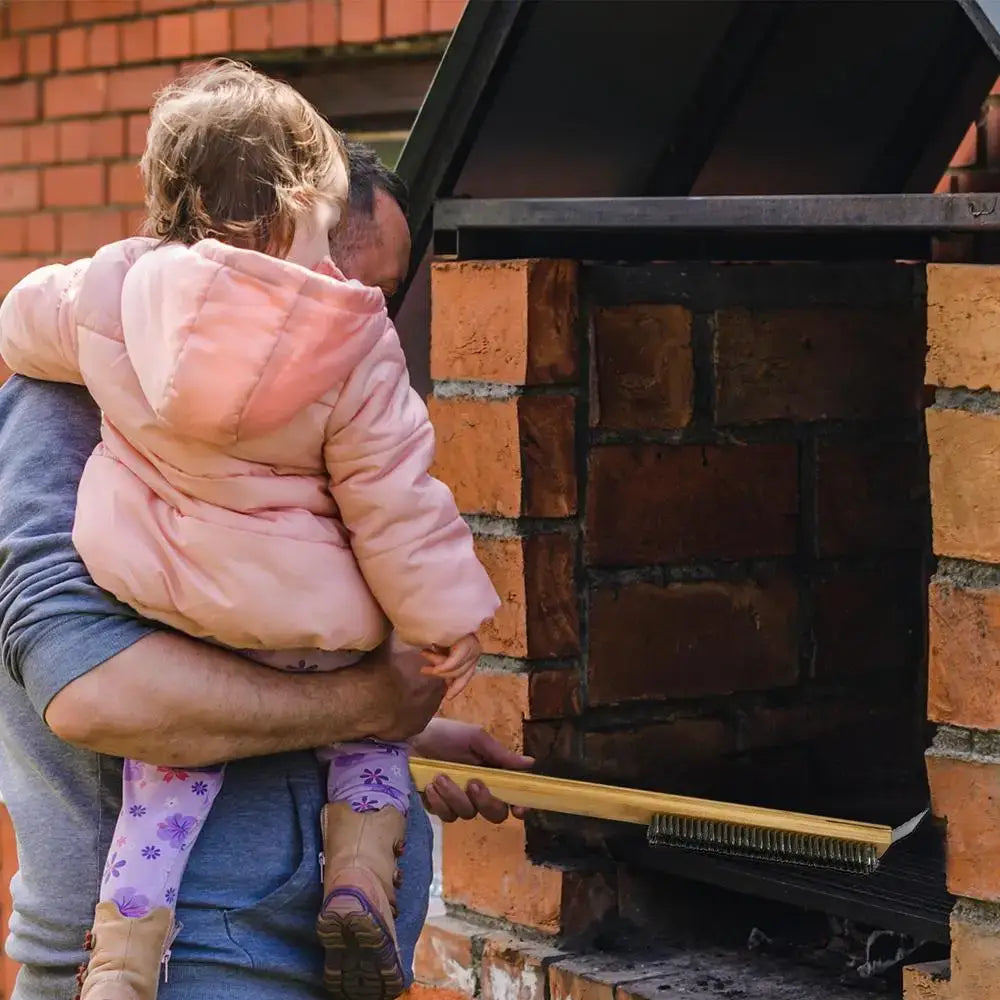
{"x":721,"y":417}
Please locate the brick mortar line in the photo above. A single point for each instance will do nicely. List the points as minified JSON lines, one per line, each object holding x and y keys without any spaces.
{"x":978,"y":912}
{"x":807,"y":554}
{"x":732,"y":709}
{"x":900,"y":430}
{"x":490,"y":526}
{"x":588,"y":411}
{"x":967,"y":573}
{"x":975,"y":746}
{"x":474,"y":389}
{"x":482,"y":926}
{"x":735,"y":571}
{"x":497,"y":663}
{"x":970,"y":400}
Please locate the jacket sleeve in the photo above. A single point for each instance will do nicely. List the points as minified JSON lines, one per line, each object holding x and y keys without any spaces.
{"x":38,"y":324}
{"x":413,"y":547}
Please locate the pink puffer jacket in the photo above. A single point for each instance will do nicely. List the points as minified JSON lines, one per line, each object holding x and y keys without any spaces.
{"x":262,"y":477}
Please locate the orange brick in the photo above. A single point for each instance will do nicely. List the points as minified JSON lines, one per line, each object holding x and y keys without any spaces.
{"x":964,"y":668}
{"x":135,"y":221}
{"x":967,"y":154}
{"x":418,"y":991}
{"x":444,"y":954}
{"x":496,"y":701}
{"x":975,"y":955}
{"x":42,"y":143}
{"x":19,"y":190}
{"x":535,"y":580}
{"x":691,"y":640}
{"x":324,"y":18}
{"x":42,"y":233}
{"x":485,"y":869}
{"x":133,"y":89}
{"x":963,"y":325}
{"x":84,"y":232}
{"x":509,"y":457}
{"x":503,"y":321}
{"x":71,"y":49}
{"x":39,"y":53}
{"x":80,"y":94}
{"x":13,"y":233}
{"x":103,"y":45}
{"x":96,"y":10}
{"x":13,"y":146}
{"x":929,"y":981}
{"x":966,"y":793}
{"x":445,"y":14}
{"x":100,"y":139}
{"x":251,"y":29}
{"x":138,"y":41}
{"x":513,"y":969}
{"x":406,"y":17}
{"x":645,"y":371}
{"x":137,"y":127}
{"x":568,"y":982}
{"x":554,"y":694}
{"x":8,"y":869}
{"x":361,"y":21}
{"x":64,"y":187}
{"x":174,"y":36}
{"x":818,"y":363}
{"x":154,"y":6}
{"x":651,"y":503}
{"x":290,"y":25}
{"x":18,"y":102}
{"x":13,"y":269}
{"x":125,"y":184}
{"x":965,"y":504}
{"x":211,"y":32}
{"x":33,"y":15}
{"x":11,"y":57}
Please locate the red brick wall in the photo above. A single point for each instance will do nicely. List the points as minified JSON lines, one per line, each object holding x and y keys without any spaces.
{"x":77,"y":77}
{"x":76,"y":81}
{"x":702,"y":491}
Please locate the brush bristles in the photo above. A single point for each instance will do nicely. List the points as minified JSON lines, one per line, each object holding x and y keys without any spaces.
{"x":761,"y":843}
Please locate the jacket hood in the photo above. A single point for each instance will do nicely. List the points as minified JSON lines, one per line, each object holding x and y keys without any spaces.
{"x":229,"y":344}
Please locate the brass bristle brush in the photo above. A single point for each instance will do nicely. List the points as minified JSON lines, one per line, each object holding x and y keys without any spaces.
{"x":695,"y":824}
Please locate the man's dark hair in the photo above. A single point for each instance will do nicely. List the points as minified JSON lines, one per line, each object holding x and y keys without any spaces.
{"x":368,"y":174}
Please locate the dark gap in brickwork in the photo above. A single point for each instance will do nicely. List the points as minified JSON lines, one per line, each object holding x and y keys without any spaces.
{"x":754,"y":537}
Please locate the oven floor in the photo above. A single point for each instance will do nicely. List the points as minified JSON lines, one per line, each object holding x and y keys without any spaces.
{"x":710,"y":973}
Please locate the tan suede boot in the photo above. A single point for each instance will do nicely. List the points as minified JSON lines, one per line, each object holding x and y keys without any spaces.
{"x":126,"y":954}
{"x":356,"y":926}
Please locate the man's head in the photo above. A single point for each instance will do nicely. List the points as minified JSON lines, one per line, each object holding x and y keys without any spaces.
{"x":373,"y":243}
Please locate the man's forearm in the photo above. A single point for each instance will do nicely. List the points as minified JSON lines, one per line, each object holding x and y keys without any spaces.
{"x":171,"y":700}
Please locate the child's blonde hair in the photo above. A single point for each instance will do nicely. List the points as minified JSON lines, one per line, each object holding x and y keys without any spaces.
{"x":234,"y":155}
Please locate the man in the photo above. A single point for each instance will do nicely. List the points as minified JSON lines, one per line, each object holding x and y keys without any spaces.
{"x":85,"y":682}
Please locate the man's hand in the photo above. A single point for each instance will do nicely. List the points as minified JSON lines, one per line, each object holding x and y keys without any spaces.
{"x":409,"y":697}
{"x":464,"y":743}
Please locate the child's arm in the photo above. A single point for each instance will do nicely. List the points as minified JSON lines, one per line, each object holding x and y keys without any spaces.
{"x":455,"y":666}
{"x":38,"y":324}
{"x":411,"y":543}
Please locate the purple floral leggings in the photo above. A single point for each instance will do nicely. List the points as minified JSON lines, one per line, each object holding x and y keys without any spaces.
{"x":164,"y":809}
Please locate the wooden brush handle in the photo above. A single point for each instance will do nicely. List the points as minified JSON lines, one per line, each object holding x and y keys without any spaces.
{"x":633,"y":805}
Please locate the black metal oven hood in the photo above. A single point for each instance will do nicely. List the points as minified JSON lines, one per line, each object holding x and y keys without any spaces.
{"x":638,"y":98}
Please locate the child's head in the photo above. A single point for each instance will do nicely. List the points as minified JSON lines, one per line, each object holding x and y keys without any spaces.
{"x":235,"y":156}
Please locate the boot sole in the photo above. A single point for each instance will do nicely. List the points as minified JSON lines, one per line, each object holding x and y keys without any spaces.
{"x":361,"y":962}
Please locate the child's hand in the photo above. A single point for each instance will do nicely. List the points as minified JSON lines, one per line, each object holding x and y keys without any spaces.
{"x":455,"y":665}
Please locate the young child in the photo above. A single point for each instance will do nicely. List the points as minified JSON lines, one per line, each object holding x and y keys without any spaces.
{"x":262,"y":482}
